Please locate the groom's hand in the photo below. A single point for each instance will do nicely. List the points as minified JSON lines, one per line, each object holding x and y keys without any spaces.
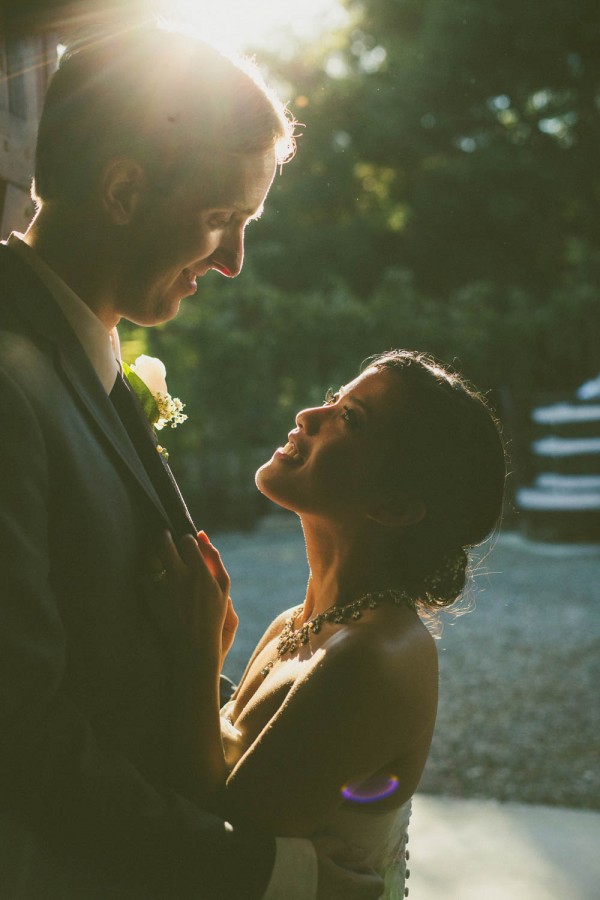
{"x":337,"y":881}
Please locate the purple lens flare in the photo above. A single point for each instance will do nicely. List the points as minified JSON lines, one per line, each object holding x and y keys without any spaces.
{"x":370,"y":791}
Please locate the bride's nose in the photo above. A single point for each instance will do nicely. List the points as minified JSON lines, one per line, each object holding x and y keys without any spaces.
{"x":309,"y":419}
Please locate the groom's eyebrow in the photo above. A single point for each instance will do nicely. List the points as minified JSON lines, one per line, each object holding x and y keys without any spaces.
{"x":250,"y":214}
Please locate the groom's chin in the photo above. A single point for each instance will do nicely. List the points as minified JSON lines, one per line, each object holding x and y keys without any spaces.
{"x":148,"y":318}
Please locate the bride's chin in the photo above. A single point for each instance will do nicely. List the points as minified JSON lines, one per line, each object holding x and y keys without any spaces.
{"x":259,"y":478}
{"x":266,"y":482}
{"x":262,"y":480}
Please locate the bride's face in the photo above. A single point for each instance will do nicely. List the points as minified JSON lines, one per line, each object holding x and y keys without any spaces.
{"x":336,"y":458}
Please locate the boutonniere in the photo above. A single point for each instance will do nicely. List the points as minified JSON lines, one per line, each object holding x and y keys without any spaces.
{"x":147,"y":379}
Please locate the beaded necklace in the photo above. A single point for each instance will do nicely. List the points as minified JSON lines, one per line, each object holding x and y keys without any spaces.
{"x":290,"y":639}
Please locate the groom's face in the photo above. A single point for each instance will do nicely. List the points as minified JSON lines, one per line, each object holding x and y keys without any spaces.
{"x":176,"y":237}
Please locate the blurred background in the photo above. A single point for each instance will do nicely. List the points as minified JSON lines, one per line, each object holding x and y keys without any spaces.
{"x":445,"y":197}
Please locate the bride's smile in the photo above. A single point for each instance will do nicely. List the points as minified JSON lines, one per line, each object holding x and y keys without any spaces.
{"x":290,"y":451}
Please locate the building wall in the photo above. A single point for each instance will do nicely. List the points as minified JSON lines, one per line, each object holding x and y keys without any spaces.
{"x":30,"y":32}
{"x":27,"y":60}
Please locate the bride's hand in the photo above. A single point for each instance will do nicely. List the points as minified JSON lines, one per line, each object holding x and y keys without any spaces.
{"x":191,"y":598}
{"x":212,"y":558}
{"x":191,"y":602}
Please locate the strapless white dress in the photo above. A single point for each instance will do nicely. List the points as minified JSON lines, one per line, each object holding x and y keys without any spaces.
{"x":379,"y":839}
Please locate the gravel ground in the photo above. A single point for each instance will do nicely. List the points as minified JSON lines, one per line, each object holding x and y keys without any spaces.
{"x":519,"y":717}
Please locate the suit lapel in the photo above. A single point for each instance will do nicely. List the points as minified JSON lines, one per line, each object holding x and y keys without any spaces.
{"x":30,"y":300}
{"x":98,"y":407}
{"x":144,"y":440}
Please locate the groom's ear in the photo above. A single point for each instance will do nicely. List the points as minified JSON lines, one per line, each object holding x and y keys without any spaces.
{"x":123,"y":182}
{"x":398,"y":511}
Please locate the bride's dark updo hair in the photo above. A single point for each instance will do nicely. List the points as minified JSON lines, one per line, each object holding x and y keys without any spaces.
{"x":452,"y":458}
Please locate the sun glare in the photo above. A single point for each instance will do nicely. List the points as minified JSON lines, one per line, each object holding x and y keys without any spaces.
{"x":237,"y":25}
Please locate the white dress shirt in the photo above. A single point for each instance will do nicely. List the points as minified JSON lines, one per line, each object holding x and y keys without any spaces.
{"x":294,"y":875}
{"x":100,"y":345}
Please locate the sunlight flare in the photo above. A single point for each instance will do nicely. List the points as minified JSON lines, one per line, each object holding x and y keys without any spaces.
{"x":236,"y":25}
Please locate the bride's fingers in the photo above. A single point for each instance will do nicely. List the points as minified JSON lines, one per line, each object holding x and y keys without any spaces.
{"x":188,"y":551}
{"x":213,"y":560}
{"x":175,"y":564}
{"x":232,"y":619}
{"x":207,"y":572}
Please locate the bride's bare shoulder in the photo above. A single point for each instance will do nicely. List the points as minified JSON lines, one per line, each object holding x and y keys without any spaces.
{"x":398,"y":658}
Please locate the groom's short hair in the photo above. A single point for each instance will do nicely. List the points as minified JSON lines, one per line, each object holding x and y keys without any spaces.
{"x":164,"y":98}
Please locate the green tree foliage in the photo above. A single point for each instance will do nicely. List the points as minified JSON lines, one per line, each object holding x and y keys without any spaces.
{"x":459,"y":138}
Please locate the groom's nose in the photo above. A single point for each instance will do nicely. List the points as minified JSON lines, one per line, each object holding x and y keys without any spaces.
{"x":231,"y":251}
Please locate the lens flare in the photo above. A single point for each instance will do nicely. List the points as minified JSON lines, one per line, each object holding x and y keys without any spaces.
{"x":370,"y":791}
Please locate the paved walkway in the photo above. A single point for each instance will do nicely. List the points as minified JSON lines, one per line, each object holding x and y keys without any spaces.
{"x":484,"y":850}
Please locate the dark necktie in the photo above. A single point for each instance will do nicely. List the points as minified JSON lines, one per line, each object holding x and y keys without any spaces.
{"x":144,"y":440}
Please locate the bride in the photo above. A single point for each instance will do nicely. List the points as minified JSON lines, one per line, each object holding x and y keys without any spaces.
{"x":394,"y":477}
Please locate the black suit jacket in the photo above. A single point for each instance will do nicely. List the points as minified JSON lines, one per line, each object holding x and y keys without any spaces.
{"x":84,"y":677}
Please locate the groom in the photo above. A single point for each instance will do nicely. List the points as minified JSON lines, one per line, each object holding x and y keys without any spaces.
{"x":153,"y":154}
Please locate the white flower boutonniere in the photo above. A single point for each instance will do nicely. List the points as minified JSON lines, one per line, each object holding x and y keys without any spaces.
{"x":147,"y":379}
